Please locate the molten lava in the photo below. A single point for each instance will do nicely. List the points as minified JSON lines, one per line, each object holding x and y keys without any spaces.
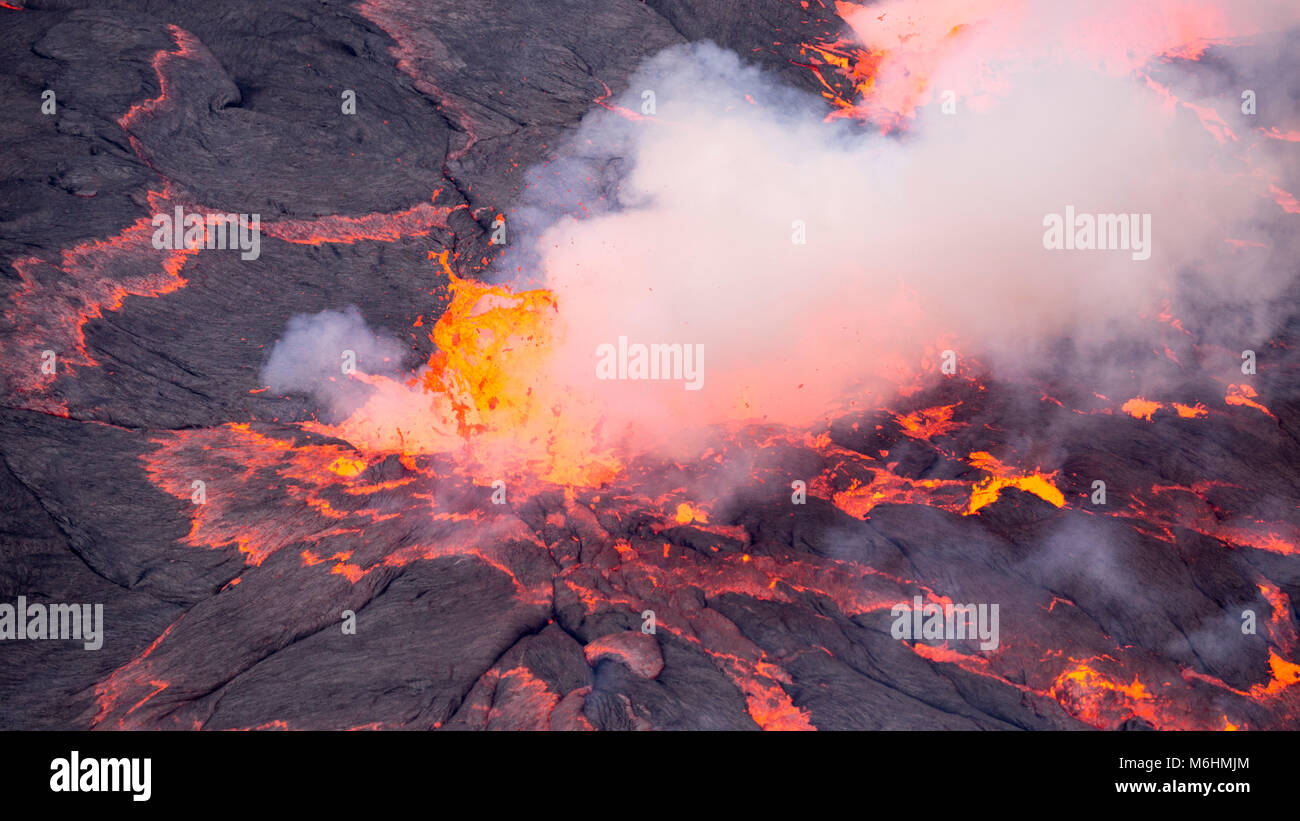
{"x":624,"y":530}
{"x":485,"y":393}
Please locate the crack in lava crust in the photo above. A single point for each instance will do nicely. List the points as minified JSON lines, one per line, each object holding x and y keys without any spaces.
{"x":661,"y":538}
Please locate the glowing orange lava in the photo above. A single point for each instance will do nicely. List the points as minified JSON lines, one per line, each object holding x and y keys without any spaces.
{"x":485,"y":393}
{"x":929,"y":422}
{"x":1245,"y":395}
{"x":987,"y":491}
{"x":1140,"y":408}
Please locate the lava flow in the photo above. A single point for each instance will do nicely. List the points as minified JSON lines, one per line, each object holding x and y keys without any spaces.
{"x":479,"y":394}
{"x":595,"y":544}
{"x":607,"y":552}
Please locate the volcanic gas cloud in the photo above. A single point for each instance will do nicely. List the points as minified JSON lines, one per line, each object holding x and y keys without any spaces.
{"x":813,"y":259}
{"x":998,"y":317}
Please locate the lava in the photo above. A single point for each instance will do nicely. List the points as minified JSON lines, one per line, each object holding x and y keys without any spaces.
{"x":929,"y":422}
{"x":904,"y":53}
{"x":1165,"y":507}
{"x":1245,"y":395}
{"x":416,"y":221}
{"x":1100,"y":699}
{"x":1144,"y":409}
{"x":52,"y":315}
{"x":335,"y":504}
{"x":186,"y":47}
{"x":48,"y":313}
{"x":1140,"y":408}
{"x":987,"y":491}
{"x":620,"y":530}
{"x":481,"y":392}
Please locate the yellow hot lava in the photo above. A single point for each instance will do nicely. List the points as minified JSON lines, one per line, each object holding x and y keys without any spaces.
{"x":688,"y":513}
{"x":487,"y":392}
{"x":986,"y":491}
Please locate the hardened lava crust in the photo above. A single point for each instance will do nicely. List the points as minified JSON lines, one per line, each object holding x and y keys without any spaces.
{"x":262,"y":566}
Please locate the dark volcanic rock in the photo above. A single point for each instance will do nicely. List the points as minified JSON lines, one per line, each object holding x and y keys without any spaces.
{"x":596,"y":610}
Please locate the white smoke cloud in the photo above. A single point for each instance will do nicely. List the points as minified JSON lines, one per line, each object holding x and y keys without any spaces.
{"x":684,"y":232}
{"x":677,"y":228}
{"x":311,"y":356}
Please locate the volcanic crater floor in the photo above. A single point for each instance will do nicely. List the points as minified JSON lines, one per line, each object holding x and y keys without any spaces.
{"x":748,"y":587}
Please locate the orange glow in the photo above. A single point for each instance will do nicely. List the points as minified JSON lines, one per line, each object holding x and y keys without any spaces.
{"x":906,"y":50}
{"x":88,"y":280}
{"x":887,"y":488}
{"x":1101,"y":700}
{"x":1280,"y":626}
{"x":928,"y":422}
{"x":771,"y":709}
{"x":987,"y":491}
{"x":346,"y":467}
{"x":484,"y":405}
{"x":1245,"y":395}
{"x":1285,"y":674}
{"x":480,"y":327}
{"x":485,"y":393}
{"x":492,"y":343}
{"x":416,"y":221}
{"x":1140,"y":408}
{"x":686,"y":514}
